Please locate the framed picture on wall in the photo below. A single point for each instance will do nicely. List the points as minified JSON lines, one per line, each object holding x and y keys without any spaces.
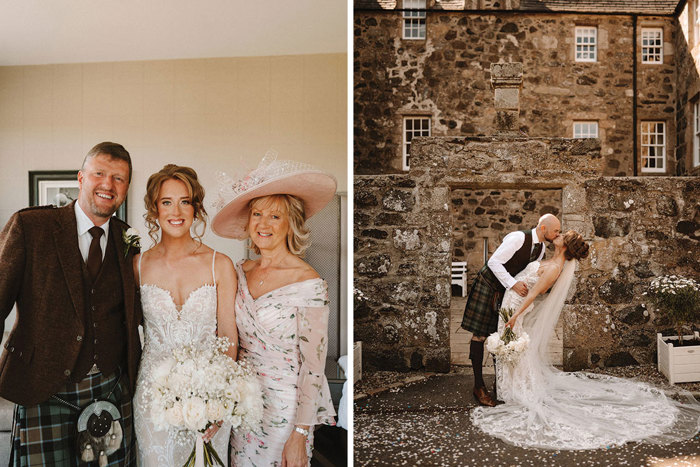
{"x":59,"y":188}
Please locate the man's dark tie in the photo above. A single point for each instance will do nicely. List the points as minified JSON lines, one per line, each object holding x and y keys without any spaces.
{"x":535,"y":251}
{"x":94,"y":260}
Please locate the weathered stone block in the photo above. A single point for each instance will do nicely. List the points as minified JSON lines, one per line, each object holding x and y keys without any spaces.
{"x":620,"y":359}
{"x":373,"y":265}
{"x":615,"y":291}
{"x":398,"y":200}
{"x":507,"y":98}
{"x":407,"y":239}
{"x":607,"y":227}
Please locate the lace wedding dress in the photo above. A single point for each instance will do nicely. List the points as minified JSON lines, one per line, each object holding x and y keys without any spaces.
{"x":548,"y":408}
{"x":167,"y":328}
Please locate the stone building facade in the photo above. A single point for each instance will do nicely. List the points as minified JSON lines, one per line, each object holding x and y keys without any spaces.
{"x":460,"y":195}
{"x":643,"y":74}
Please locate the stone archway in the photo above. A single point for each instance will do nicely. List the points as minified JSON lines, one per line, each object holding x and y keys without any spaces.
{"x":404,"y":233}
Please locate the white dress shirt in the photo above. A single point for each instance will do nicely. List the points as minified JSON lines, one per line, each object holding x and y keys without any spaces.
{"x":511,"y":243}
{"x":84,"y":237}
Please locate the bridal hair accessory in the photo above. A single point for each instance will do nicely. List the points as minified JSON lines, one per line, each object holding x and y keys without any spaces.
{"x":314,"y":187}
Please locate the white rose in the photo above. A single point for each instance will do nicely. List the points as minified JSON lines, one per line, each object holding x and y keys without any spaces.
{"x":162,"y":371}
{"x":194,"y":412}
{"x":173,"y":415}
{"x":132,"y":232}
{"x":235,"y":421}
{"x":215,"y":410}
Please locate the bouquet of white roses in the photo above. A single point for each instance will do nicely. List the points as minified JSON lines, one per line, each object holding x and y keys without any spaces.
{"x":198,"y":386}
{"x":508,"y":347}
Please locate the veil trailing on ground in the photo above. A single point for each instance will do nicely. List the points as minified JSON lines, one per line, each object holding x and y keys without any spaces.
{"x":551,"y":409}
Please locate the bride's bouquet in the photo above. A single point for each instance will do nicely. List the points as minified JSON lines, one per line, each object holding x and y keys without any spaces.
{"x":199,"y":386}
{"x":507,"y":347}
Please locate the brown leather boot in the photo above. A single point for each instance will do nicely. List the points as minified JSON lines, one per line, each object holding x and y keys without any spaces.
{"x":482,"y":396}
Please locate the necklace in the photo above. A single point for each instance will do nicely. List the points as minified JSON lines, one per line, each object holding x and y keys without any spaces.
{"x":262,"y":279}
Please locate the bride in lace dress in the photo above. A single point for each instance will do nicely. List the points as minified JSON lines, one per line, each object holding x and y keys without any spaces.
{"x":551,"y":409}
{"x":281,"y":309}
{"x":187,"y":293}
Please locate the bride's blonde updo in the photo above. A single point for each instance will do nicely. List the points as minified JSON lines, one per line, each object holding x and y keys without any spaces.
{"x":576,"y":247}
{"x":187,"y":176}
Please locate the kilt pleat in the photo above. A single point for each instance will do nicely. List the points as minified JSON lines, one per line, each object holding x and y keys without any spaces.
{"x":484,"y":300}
{"x":45,"y":434}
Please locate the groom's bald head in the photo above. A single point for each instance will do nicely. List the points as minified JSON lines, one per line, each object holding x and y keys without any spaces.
{"x":549,"y":227}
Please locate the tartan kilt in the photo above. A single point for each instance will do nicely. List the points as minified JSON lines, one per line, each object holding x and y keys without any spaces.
{"x":46,"y":434}
{"x":485,"y":297}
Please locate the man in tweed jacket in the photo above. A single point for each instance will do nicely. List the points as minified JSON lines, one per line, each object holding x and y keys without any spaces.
{"x":76,"y":333}
{"x":517,"y":250}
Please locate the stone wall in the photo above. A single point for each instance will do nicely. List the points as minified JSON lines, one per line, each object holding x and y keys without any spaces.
{"x":642,"y":227}
{"x":688,"y":76}
{"x":404,"y":239}
{"x":492,"y":214}
{"x":447,"y":78}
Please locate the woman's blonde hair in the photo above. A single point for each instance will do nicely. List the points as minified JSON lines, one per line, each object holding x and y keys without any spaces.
{"x":187,"y":176}
{"x":298,"y":236}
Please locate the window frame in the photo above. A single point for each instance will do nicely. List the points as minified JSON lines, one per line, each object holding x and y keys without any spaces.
{"x":585,"y":122}
{"x":412,"y":19}
{"x":406,"y":143}
{"x":579,"y":33}
{"x":645,"y":146}
{"x":660,"y":31}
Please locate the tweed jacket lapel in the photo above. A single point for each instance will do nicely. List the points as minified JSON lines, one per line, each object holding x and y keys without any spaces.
{"x":65,"y":236}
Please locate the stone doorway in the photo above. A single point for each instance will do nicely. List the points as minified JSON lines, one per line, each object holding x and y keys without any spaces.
{"x":481,"y":217}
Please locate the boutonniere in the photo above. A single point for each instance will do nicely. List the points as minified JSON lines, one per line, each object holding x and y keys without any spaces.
{"x":131,"y":238}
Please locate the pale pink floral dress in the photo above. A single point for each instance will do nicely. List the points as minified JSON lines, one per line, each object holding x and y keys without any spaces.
{"x":284,"y":335}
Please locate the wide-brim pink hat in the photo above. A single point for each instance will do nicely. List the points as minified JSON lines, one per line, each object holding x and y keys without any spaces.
{"x":314,"y":187}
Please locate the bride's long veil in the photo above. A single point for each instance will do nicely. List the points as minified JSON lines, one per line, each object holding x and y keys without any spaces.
{"x":542,"y":320}
{"x":552,"y":409}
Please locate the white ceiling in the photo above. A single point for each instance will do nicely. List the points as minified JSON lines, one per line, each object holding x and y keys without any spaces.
{"x":34,"y":32}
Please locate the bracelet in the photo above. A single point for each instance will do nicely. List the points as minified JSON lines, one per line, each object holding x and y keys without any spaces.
{"x":302,"y":431}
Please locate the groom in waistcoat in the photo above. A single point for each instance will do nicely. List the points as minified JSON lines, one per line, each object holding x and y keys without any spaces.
{"x":75,"y":339}
{"x":481,"y":312}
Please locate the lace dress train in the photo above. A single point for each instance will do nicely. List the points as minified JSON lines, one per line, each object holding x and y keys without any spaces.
{"x":548,"y":408}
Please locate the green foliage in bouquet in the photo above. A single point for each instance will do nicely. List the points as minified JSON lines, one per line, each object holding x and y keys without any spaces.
{"x":678,"y":298}
{"x":508,"y":334}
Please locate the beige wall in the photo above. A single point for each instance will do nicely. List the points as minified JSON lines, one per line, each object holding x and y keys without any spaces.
{"x":210,"y":114}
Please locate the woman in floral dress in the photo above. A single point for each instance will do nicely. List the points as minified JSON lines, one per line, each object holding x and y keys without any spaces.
{"x":281,"y":308}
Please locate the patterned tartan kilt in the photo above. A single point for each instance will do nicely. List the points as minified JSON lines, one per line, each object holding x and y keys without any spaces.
{"x":46,"y":434}
{"x":485,"y":297}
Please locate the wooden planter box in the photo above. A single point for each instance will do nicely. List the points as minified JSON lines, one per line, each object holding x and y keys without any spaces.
{"x":678,"y":364}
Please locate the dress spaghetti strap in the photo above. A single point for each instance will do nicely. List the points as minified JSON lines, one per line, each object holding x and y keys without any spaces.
{"x":140,"y":258}
{"x":213,"y":271}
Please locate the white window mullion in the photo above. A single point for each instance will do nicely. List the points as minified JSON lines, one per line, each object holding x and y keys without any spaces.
{"x":586,"y":44}
{"x":414,"y":19}
{"x":585,"y":129}
{"x":653,"y":136}
{"x":652,"y":45}
{"x":412,"y":127}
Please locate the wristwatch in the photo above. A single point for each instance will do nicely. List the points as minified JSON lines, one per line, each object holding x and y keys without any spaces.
{"x":302,"y":431}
